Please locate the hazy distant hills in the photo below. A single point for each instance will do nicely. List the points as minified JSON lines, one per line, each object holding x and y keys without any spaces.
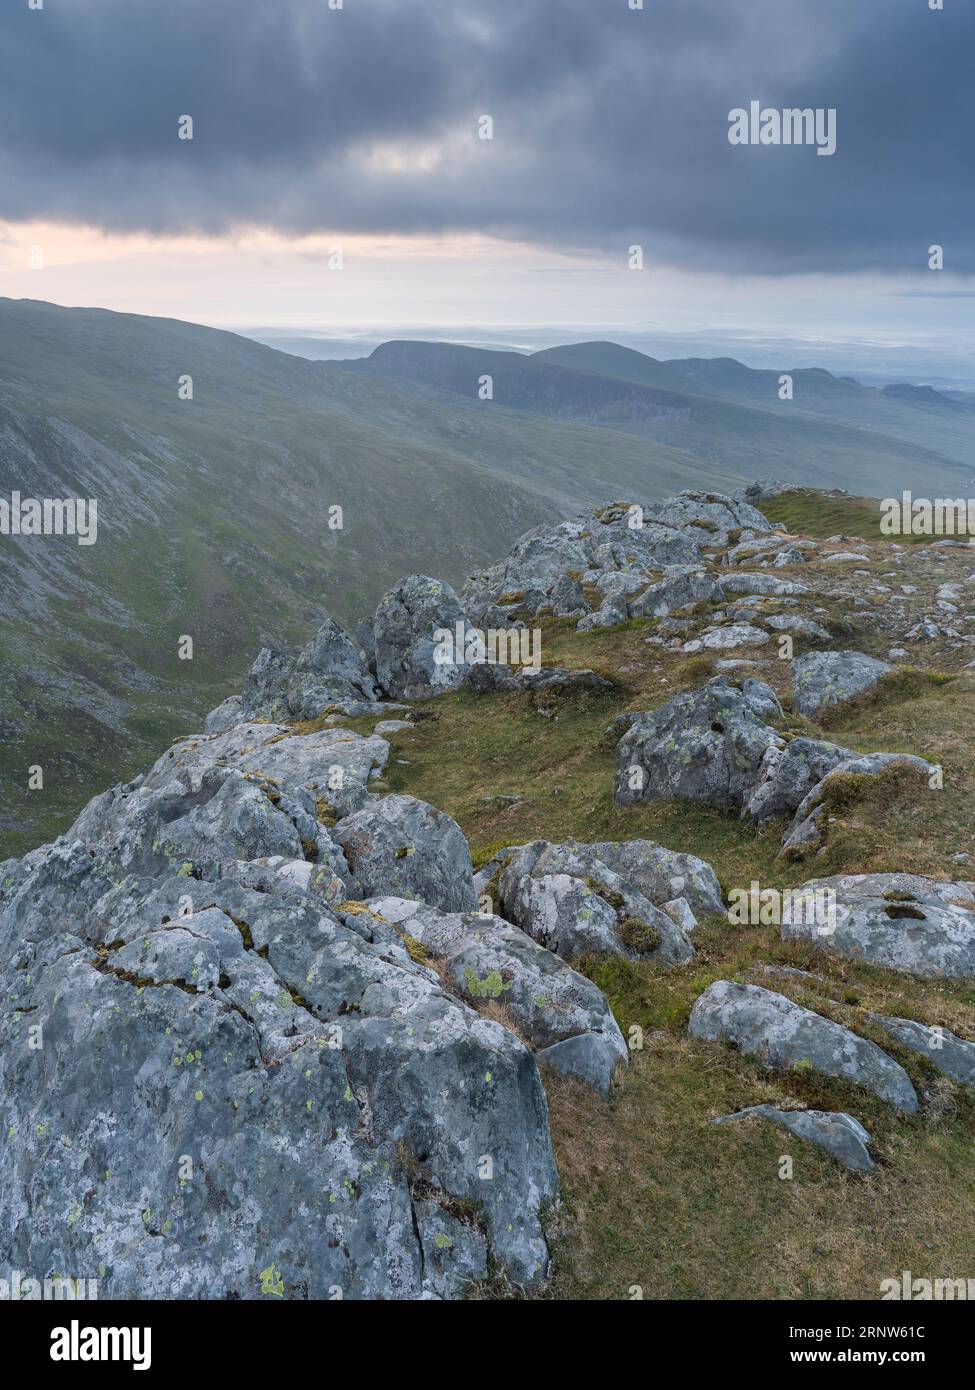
{"x":213,"y":522}
{"x":833,"y":433}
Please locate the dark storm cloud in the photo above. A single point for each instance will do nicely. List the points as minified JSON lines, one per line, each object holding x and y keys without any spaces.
{"x":610,"y":124}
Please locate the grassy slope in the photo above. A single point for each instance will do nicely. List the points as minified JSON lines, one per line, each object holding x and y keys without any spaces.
{"x":213,"y":522}
{"x":654,"y":1195}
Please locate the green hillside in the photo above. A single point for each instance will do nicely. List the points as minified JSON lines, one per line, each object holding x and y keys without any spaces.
{"x":214,"y":523}
{"x":833,"y":433}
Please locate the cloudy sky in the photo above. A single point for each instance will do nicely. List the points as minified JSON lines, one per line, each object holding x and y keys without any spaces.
{"x":358,"y":128}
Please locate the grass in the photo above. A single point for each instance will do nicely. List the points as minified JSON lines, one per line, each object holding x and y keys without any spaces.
{"x":654,"y":1195}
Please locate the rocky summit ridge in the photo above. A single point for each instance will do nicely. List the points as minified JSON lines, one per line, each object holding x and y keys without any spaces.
{"x":268,"y":1033}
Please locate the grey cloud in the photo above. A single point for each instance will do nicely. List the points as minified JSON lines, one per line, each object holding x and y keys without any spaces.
{"x":610,"y":125}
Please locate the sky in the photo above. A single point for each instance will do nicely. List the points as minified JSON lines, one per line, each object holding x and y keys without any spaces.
{"x":337,"y":181}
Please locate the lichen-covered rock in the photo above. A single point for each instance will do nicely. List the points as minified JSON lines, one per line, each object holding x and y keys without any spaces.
{"x":790,"y":773}
{"x":714,"y":516}
{"x":571,"y":900}
{"x":407,"y":650}
{"x":783,"y":1035}
{"x":238,"y":1094}
{"x":285,"y":683}
{"x":723,"y":639}
{"x":405,"y":848}
{"x":946,"y":1052}
{"x":493,"y":964}
{"x":659,"y":874}
{"x":676,"y":593}
{"x":843,"y":1137}
{"x":761,"y":584}
{"x":823,"y":679}
{"x":334,"y":765}
{"x":916,"y":925}
{"x":795,"y":622}
{"x":707,"y":746}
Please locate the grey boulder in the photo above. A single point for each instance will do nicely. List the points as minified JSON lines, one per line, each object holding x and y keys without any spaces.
{"x":905,"y":922}
{"x":946,"y":1052}
{"x":492,"y":964}
{"x":843,"y":1137}
{"x":783,"y":1035}
{"x":287,"y":683}
{"x":590,"y":1057}
{"x":407,"y":648}
{"x":708,"y":746}
{"x":400,"y":846}
{"x":823,"y":679}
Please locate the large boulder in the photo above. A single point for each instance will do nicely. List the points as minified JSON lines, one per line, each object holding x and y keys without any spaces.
{"x":783,"y":1035}
{"x":708,"y":746}
{"x":239,"y":1095}
{"x":287,"y":683}
{"x":405,"y":848}
{"x":631,"y":898}
{"x":823,"y":679}
{"x":408,"y":652}
{"x":916,"y":925}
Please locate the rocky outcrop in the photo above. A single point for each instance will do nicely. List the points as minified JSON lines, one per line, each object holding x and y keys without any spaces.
{"x":783,"y":1035}
{"x":915,"y":925}
{"x":408,"y":658}
{"x":790,"y":774}
{"x":303,"y":683}
{"x":240,"y":1093}
{"x":653,"y":550}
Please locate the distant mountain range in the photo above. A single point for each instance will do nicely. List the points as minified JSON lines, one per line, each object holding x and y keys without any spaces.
{"x":834,"y":432}
{"x":214,"y":511}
